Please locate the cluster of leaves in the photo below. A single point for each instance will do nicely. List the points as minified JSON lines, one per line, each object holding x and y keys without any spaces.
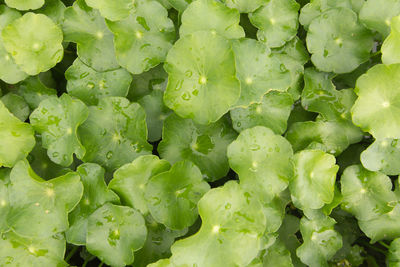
{"x":199,"y":133}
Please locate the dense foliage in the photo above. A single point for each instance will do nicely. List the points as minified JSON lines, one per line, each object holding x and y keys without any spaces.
{"x":204,"y":133}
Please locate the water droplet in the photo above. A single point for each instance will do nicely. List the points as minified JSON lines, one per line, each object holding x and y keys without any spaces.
{"x":90,"y":85}
{"x":228,"y":206}
{"x":189,"y":73}
{"x":239,"y":124}
{"x":283,"y":68}
{"x":16,"y":134}
{"x":185,"y":96}
{"x":55,"y":154}
{"x":109,"y":154}
{"x":84,"y":75}
{"x":254,"y":147}
{"x":195,"y":92}
{"x":179,"y":85}
{"x":394,"y":143}
{"x":326,"y":53}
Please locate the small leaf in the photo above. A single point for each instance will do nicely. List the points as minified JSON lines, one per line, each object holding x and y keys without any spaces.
{"x":112,"y":10}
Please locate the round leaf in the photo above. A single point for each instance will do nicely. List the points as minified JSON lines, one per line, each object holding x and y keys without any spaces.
{"x":338,"y":42}
{"x":34,"y":42}
{"x":172,"y":196}
{"x":382,"y":155}
{"x":114,"y":233}
{"x":201,"y":83}
{"x":115,"y":133}
{"x":112,"y":10}
{"x":25,"y":4}
{"x":89,"y":85}
{"x":146,"y":35}
{"x":130,"y":180}
{"x":210,"y":15}
{"x":277,"y":21}
{"x":16,"y":105}
{"x":57,"y":120}
{"x":375,"y":110}
{"x":203,"y":145}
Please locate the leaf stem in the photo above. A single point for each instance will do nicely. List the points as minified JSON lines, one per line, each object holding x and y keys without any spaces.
{"x":384,"y":244}
{"x":71,"y":253}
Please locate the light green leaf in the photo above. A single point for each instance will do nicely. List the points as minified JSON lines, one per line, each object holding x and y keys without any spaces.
{"x":89,"y":85}
{"x":277,"y":22}
{"x":146,"y":35}
{"x":115,"y":133}
{"x":34,"y":42}
{"x":273,"y":112}
{"x":232,"y":226}
{"x":9,"y":71}
{"x":130,"y":180}
{"x":376,"y":15}
{"x":114,"y":233}
{"x":86,"y":27}
{"x":202,"y":83}
{"x":338,"y":42}
{"x":391,"y":45}
{"x":393,"y":257}
{"x":244,"y":6}
{"x":180,"y":5}
{"x":4,"y":206}
{"x":16,"y":105}
{"x":210,"y":15}
{"x":22,"y":251}
{"x":277,"y":255}
{"x":321,"y":241}
{"x":314,"y":181}
{"x":112,"y":10}
{"x":382,"y":155}
{"x":16,"y":138}
{"x":156,"y":113}
{"x":295,"y":49}
{"x":57,"y":120}
{"x":54,"y":9}
{"x":172,"y":196}
{"x":204,"y":145}
{"x":375,"y":110}
{"x":258,"y":71}
{"x":25,"y":4}
{"x":44,"y":204}
{"x":262,"y":160}
{"x":34,"y":91}
{"x":95,"y":194}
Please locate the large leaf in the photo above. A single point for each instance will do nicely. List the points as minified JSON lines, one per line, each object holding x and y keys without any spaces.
{"x":201,"y":83}
{"x":172,"y":196}
{"x":115,"y":133}
{"x":203,"y":145}
{"x":57,"y":120}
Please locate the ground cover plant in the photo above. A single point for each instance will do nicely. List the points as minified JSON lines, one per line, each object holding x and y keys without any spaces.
{"x":204,"y":133}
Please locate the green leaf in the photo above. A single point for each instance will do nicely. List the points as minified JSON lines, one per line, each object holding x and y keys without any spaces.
{"x":16,"y":138}
{"x":146,"y":35}
{"x":34,"y":91}
{"x":321,"y":241}
{"x":277,"y":255}
{"x":392,"y":43}
{"x":262,"y":160}
{"x":314,"y":181}
{"x":210,"y":15}
{"x":95,"y":194}
{"x":375,"y":110}
{"x":54,"y":9}
{"x":202,"y":83}
{"x":114,"y":233}
{"x":277,"y":22}
{"x":232,"y":226}
{"x":258,"y":71}
{"x":89,"y":85}
{"x":273,"y":112}
{"x":156,"y":113}
{"x":204,"y":145}
{"x":382,"y":156}
{"x":23,"y":251}
{"x":16,"y":105}
{"x":44,"y":204}
{"x":244,"y":6}
{"x":25,"y":4}
{"x":393,"y":257}
{"x":130,"y":180}
{"x":338,"y":42}
{"x":34,"y":42}
{"x":158,"y":243}
{"x":376,"y":15}
{"x":57,"y":120}
{"x":112,"y":10}
{"x":330,"y":136}
{"x":4,"y":206}
{"x":172,"y":196}
{"x":87,"y":28}
{"x":115,"y":133}
{"x":295,"y":49}
{"x":9,"y":71}
{"x":180,"y":5}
